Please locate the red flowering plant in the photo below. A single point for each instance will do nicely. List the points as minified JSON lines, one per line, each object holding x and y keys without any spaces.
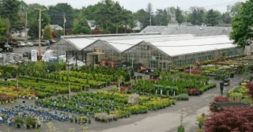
{"x":250,"y":87}
{"x":233,"y":119}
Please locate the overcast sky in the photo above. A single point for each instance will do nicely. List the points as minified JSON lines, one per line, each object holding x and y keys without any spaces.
{"x":135,"y":5}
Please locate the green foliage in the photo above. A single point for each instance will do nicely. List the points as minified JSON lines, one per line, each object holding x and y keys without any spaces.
{"x":8,"y":71}
{"x":142,"y":16}
{"x":110,"y":16}
{"x":242,"y":24}
{"x":180,"y":129}
{"x":182,"y":97}
{"x":197,"y":17}
{"x":33,"y":17}
{"x":213,"y":17}
{"x":179,"y":16}
{"x":240,"y":93}
{"x":9,"y":10}
{"x":47,"y":33}
{"x":201,"y":120}
{"x":81,"y":26}
{"x":162,"y":17}
{"x":57,"y":13}
{"x":4,"y":27}
{"x":226,"y":18}
{"x":172,"y":84}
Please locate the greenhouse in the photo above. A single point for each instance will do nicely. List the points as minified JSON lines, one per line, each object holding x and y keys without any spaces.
{"x":153,"y":51}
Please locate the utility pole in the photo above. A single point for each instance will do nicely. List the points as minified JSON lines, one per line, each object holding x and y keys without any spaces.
{"x":26,"y":31}
{"x":150,"y":20}
{"x":39,"y":34}
{"x":64,"y":23}
{"x":39,"y":49}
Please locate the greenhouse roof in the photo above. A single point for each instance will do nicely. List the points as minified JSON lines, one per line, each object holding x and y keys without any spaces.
{"x":196,"y":45}
{"x":119,"y":42}
{"x":80,"y":43}
{"x":172,"y":45}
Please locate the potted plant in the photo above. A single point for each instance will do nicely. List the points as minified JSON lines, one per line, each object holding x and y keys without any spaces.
{"x":18,"y":121}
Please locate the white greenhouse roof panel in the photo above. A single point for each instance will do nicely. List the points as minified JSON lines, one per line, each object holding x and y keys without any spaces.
{"x":122,"y":43}
{"x":196,"y":45}
{"x":80,"y":43}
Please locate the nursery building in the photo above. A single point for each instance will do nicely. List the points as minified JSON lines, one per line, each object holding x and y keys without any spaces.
{"x":152,"y":50}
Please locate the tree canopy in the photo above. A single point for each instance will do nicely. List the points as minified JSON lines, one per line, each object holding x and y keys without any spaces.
{"x":33,"y":17}
{"x":60,"y":11}
{"x":9,"y":10}
{"x":80,"y":25}
{"x":4,"y":26}
{"x":197,"y":17}
{"x":109,"y":15}
{"x":213,"y":17}
{"x":242,"y":24}
{"x":47,"y":34}
{"x":179,"y":16}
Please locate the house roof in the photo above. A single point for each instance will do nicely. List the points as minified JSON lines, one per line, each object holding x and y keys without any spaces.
{"x":184,"y":29}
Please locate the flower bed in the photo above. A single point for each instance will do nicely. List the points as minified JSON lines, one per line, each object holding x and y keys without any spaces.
{"x":105,"y":106}
{"x":9,"y":94}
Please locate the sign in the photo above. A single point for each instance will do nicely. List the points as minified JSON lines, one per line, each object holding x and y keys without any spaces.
{"x":34,"y":54}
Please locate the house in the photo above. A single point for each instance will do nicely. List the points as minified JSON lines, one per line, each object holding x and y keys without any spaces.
{"x":92,"y":24}
{"x":138,"y":26}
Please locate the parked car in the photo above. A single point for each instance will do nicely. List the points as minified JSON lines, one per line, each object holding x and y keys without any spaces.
{"x":6,"y":47}
{"x":30,"y":44}
{"x":42,"y":43}
{"x":21,"y":44}
{"x":52,"y":41}
{"x":45,"y":43}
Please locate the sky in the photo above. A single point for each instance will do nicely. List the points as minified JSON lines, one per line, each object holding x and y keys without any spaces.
{"x":135,"y":5}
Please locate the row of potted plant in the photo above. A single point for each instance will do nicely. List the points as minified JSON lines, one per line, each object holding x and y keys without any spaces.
{"x":172,"y":84}
{"x":105,"y":106}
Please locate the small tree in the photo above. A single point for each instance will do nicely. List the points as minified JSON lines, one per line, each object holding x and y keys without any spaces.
{"x":242,"y":23}
{"x":48,"y":34}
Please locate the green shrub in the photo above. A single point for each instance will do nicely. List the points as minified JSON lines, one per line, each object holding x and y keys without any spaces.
{"x":183,"y":97}
{"x":180,"y":129}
